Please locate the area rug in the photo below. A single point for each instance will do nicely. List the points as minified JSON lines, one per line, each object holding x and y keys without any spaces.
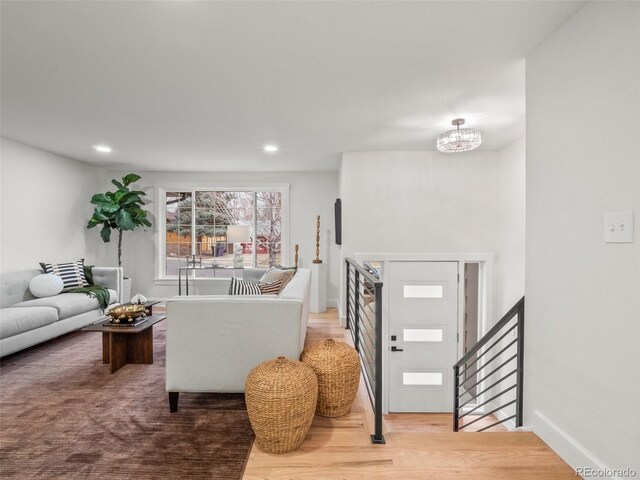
{"x":62,"y":415}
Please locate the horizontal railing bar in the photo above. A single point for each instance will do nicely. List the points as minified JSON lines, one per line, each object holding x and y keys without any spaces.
{"x":367,"y":356}
{"x":365,"y":273}
{"x":366,"y":305}
{"x":488,"y":388}
{"x":371,"y":341}
{"x":494,"y":357}
{"x":489,"y":413}
{"x":490,"y":400}
{"x":497,"y":423}
{"x":488,"y":349}
{"x":462,"y":384}
{"x":485,"y":339}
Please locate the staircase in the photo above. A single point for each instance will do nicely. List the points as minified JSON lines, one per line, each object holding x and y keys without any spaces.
{"x":488,"y":379}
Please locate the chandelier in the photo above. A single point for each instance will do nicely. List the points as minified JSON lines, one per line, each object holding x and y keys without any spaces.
{"x":459,"y":140}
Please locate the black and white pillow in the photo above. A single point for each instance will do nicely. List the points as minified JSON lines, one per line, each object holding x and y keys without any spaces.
{"x":72,"y":273}
{"x":240,"y":287}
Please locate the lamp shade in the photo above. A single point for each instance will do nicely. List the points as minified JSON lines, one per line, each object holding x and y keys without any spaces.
{"x":238,"y":233}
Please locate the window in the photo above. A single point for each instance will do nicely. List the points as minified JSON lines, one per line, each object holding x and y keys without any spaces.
{"x":195,"y":223}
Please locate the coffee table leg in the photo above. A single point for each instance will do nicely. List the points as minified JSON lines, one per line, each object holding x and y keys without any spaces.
{"x":117,"y":351}
{"x":106,"y":342}
{"x":140,"y":347}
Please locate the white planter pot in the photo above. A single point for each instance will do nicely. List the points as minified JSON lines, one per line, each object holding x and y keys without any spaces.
{"x":126,"y":290}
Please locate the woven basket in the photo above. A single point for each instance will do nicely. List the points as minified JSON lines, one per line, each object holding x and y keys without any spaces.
{"x":337,"y":366}
{"x":281,"y":397}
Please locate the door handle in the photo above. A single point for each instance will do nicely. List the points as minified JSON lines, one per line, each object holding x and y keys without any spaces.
{"x":396,"y":349}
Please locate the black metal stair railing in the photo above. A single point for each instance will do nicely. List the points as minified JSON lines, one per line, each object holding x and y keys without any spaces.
{"x":364,"y":320}
{"x":490,"y":375}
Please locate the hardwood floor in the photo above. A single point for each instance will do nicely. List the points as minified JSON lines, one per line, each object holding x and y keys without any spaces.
{"x":418,"y":446}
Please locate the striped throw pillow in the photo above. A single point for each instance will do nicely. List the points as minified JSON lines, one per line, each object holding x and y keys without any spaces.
{"x":240,"y":287}
{"x":72,"y":273}
{"x":272,"y":288}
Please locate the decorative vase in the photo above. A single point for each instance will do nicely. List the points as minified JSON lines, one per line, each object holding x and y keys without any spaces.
{"x":281,"y":397}
{"x":337,"y":366}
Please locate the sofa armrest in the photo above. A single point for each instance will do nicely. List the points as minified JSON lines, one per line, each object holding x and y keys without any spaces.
{"x":109,"y":277}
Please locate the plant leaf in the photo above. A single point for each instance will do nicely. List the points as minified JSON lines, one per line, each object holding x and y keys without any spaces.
{"x":99,"y":215}
{"x":105,"y":233}
{"x":110,"y":208}
{"x":117,"y":184}
{"x":129,"y":179}
{"x":93,"y":221}
{"x":124,"y":220}
{"x":100,"y":198}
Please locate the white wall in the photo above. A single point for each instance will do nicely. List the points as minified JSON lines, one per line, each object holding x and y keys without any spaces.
{"x":583,"y":296}
{"x":45,"y":208}
{"x":310,"y":194}
{"x":510,"y":261}
{"x":420,"y":202}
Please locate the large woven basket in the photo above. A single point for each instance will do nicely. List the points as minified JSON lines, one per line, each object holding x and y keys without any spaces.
{"x":337,"y":366}
{"x":281,"y":397}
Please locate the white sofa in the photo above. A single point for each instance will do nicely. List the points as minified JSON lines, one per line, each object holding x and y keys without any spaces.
{"x":26,"y":321}
{"x":213,"y":341}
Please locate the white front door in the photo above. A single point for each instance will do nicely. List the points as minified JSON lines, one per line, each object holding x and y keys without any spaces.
{"x":423,"y":314}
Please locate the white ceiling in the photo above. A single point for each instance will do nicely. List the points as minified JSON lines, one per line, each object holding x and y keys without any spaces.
{"x":204,"y":85}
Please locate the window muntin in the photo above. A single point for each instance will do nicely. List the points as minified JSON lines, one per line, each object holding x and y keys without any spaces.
{"x":196,"y":221}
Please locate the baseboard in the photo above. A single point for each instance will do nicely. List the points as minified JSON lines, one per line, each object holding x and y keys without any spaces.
{"x":571,"y":451}
{"x":332,"y":303}
{"x":341,"y":316}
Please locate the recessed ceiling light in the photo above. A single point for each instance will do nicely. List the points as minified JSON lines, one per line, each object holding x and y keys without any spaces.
{"x":102,"y":148}
{"x":271,"y":148}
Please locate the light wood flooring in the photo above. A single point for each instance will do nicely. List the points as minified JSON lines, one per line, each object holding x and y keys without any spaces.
{"x":418,"y":446}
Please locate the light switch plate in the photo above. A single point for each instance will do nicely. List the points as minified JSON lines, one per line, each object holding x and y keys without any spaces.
{"x":618,"y":227}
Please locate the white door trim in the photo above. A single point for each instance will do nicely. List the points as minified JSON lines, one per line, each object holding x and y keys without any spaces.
{"x":485,"y":297}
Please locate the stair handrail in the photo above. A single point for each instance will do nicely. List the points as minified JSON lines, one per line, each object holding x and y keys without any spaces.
{"x":487,"y":337}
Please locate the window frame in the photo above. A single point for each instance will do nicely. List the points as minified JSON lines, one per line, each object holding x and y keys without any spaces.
{"x":160,"y":234}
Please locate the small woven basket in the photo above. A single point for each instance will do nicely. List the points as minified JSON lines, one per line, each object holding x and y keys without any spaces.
{"x":281,"y":397}
{"x":337,"y":366}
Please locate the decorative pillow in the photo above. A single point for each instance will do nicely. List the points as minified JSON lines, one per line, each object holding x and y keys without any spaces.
{"x":272,"y":288}
{"x":240,"y":287}
{"x":46,"y":285}
{"x":274,"y":274}
{"x":72,"y":273}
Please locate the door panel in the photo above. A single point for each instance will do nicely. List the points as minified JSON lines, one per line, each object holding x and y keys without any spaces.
{"x":423,"y":312}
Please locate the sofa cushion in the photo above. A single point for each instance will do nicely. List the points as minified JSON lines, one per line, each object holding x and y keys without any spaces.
{"x":67,"y":304}
{"x":72,"y":273}
{"x":18,"y":320}
{"x":46,"y":285}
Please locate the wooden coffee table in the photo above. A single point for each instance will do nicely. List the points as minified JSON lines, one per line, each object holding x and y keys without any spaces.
{"x":122,"y":345}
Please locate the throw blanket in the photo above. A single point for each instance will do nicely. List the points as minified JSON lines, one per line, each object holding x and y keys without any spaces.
{"x":95,"y":291}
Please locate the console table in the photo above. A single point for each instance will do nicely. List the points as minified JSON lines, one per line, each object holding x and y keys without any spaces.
{"x":187,"y":269}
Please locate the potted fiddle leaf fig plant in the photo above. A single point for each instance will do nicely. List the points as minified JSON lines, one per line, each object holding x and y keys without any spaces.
{"x":120,"y":211}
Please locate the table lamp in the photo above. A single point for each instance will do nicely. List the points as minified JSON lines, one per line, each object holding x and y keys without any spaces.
{"x":238,"y":234}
